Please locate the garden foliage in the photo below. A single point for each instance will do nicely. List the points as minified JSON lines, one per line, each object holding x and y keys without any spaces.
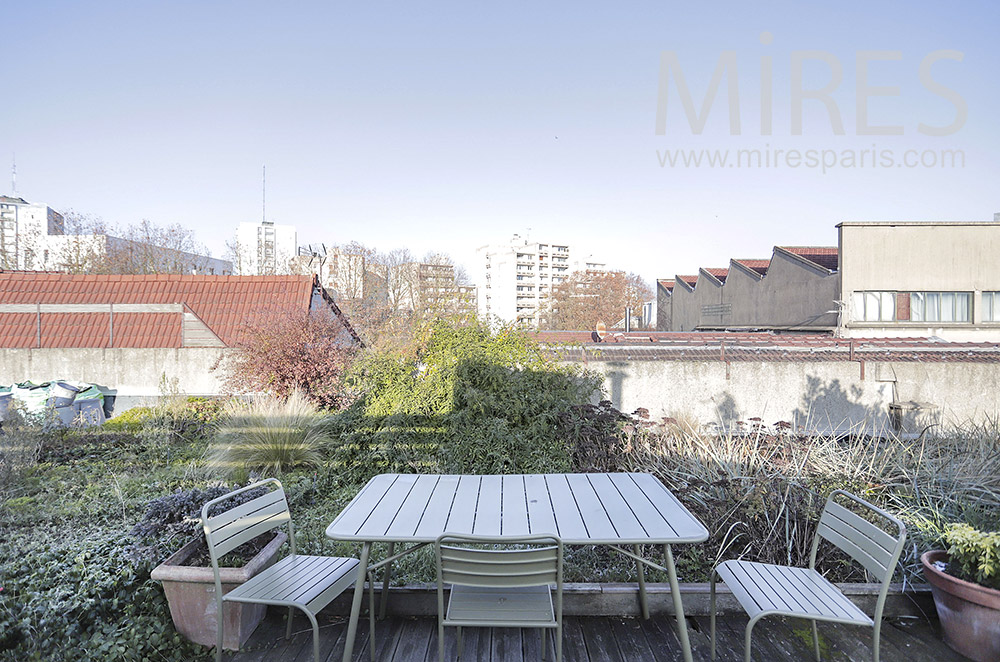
{"x":460,"y":399}
{"x":974,"y":555}
{"x":281,"y":353}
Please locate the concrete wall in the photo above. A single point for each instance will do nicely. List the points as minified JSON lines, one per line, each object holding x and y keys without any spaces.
{"x":663,"y":307}
{"x":920,"y":257}
{"x":130,"y":373}
{"x":817,"y":395}
{"x":685,"y":308}
{"x":792,"y":294}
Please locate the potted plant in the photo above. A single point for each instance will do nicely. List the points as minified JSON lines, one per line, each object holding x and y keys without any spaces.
{"x":965,"y":581}
{"x":186,"y":576}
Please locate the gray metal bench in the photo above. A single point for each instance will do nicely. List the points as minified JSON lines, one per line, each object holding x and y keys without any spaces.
{"x":765,"y":590}
{"x":307,"y":583}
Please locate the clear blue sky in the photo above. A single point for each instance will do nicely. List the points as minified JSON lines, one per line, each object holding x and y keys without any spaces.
{"x":450,"y":125}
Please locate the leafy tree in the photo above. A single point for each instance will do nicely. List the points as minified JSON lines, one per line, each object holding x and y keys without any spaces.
{"x":279,"y":353}
{"x":588,"y":297}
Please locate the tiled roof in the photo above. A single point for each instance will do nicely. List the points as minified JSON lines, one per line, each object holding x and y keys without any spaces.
{"x":719,"y":273}
{"x":824,"y":256}
{"x":223,"y":303}
{"x":690,"y":280}
{"x":768,"y":347}
{"x":759,"y":266}
{"x":667,"y":284}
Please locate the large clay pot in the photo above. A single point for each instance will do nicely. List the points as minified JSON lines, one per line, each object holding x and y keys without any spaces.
{"x":190,"y":592}
{"x":969,"y":613}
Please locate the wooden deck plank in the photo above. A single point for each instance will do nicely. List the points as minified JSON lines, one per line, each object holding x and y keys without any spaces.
{"x":574,"y":646}
{"x":506,"y":645}
{"x":600,"y":640}
{"x":631,"y":639}
{"x":596,"y":639}
{"x":414,"y":639}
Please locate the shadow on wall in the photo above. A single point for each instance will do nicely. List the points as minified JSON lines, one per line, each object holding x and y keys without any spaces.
{"x":726,"y":413}
{"x":828,"y":406}
{"x":616,"y":378}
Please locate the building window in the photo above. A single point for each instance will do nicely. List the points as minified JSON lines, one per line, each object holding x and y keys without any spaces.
{"x":874,"y":306}
{"x":991,"y":306}
{"x":940,"y":306}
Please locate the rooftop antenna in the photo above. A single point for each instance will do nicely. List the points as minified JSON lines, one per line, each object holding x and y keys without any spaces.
{"x":13,"y":177}
{"x":263,"y":195}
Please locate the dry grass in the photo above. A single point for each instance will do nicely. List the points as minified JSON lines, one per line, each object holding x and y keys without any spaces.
{"x":760,"y":491}
{"x":268,"y":435}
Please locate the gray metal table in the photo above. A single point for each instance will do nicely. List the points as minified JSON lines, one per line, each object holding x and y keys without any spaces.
{"x":620,"y":509}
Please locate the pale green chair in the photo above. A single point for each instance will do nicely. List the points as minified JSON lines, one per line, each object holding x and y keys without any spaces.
{"x":499,"y":587}
{"x":773,"y":590}
{"x":307,"y":583}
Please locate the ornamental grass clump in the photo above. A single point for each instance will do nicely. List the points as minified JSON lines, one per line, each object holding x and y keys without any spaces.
{"x":268,"y":435}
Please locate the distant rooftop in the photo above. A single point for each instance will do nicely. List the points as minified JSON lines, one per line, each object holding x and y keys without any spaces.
{"x":823,"y":256}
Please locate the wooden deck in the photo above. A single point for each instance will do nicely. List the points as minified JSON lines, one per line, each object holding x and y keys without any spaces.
{"x":597,"y":639}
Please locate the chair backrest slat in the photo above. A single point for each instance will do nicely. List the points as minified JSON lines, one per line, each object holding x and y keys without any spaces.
{"x":500,"y":568}
{"x":230,"y":529}
{"x":872,"y":547}
{"x":232,"y":514}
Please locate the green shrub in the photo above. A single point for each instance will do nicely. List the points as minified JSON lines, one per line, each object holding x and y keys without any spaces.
{"x":131,"y":420}
{"x":268,"y":434}
{"x":973,"y":555}
{"x":462,"y":399}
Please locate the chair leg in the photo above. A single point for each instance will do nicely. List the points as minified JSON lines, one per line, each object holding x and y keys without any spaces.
{"x":220,"y":623}
{"x":315,"y":628}
{"x":545,"y":635}
{"x":815,"y":640}
{"x":559,"y":642}
{"x":440,"y":640}
{"x":371,"y":616}
{"x":875,"y":639}
{"x":711,"y":611}
{"x":746,"y":640}
{"x":460,"y":643}
{"x":288,"y":626}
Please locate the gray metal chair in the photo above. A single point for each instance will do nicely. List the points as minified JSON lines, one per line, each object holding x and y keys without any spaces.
{"x":509,"y":587}
{"x":307,"y":583}
{"x":765,"y":590}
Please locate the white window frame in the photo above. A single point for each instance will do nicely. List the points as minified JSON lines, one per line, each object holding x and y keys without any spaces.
{"x":991,"y":306}
{"x":941,"y":307}
{"x":873,"y":306}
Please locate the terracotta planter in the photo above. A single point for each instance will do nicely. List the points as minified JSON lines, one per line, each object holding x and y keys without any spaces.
{"x":969,"y":613}
{"x":190,"y":593}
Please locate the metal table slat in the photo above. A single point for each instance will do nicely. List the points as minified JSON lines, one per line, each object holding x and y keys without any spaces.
{"x":564,"y":510}
{"x":488,"y":508}
{"x":640,"y":504}
{"x":463,"y":509}
{"x":597,"y":519}
{"x":513,"y":506}
{"x":357,"y":511}
{"x":540,"y":516}
{"x":438,"y":509}
{"x":413,"y":508}
{"x":625,"y":521}
{"x":382,"y":515}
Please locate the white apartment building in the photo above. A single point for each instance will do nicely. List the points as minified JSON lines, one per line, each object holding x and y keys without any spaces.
{"x":265,"y":248}
{"x":24,"y":229}
{"x":33,"y":237}
{"x":518,"y":277}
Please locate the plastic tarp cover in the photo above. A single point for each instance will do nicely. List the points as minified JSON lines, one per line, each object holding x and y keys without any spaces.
{"x":34,"y":398}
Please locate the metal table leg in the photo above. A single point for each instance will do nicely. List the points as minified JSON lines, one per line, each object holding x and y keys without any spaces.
{"x":385,"y":583}
{"x":359,"y":591}
{"x":643,"y":598}
{"x":675,"y":594}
